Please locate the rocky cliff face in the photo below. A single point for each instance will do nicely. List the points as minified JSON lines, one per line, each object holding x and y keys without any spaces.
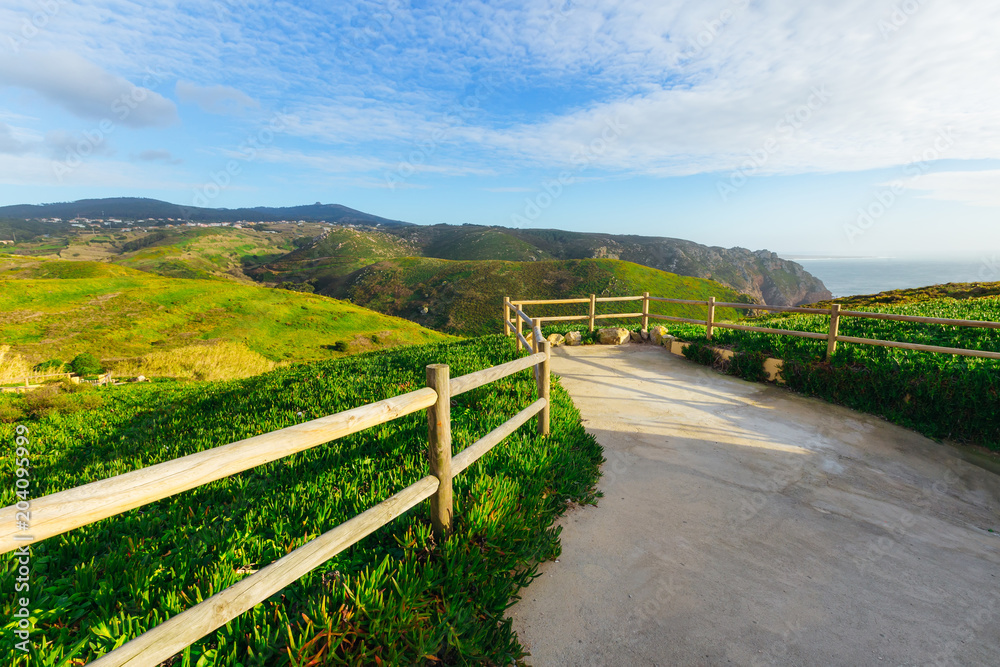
{"x":761,"y":273}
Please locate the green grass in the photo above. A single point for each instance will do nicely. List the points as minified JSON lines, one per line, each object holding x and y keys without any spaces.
{"x":341,"y":252}
{"x":467,"y":297}
{"x":397,"y":596}
{"x":943,"y":396}
{"x":115,"y":312}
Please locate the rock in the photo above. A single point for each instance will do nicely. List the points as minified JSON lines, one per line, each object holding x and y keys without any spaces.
{"x":556,"y":340}
{"x":424,"y":310}
{"x":657,"y":334}
{"x":635,"y":336}
{"x":644,"y":333}
{"x":574,"y":338}
{"x":617,"y":336}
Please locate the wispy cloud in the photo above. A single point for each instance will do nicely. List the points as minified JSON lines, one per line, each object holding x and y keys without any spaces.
{"x":157,"y":155}
{"x":11,"y":145}
{"x":217,"y":99}
{"x":86,"y":90}
{"x":974,"y":188}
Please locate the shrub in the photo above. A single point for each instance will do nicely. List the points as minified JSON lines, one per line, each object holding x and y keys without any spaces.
{"x":748,"y":365}
{"x":59,"y":399}
{"x":10,"y":413}
{"x":701,"y":352}
{"x":50,"y":366}
{"x":86,"y":364}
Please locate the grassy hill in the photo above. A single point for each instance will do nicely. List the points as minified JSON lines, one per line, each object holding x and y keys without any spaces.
{"x":466,"y":297}
{"x":51,"y":309}
{"x":761,"y":274}
{"x":396,"y":598}
{"x":339,"y":252}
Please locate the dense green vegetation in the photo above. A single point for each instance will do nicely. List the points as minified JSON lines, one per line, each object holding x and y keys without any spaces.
{"x":397,"y":597}
{"x":52,"y":309}
{"x":340,"y":252}
{"x":467,"y":297}
{"x":943,"y":396}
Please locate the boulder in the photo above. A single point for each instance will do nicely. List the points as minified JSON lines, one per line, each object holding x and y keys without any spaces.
{"x":574,"y":338}
{"x":657,"y":334}
{"x":635,"y":336}
{"x":616,"y":336}
{"x":556,"y":340}
{"x":644,"y":333}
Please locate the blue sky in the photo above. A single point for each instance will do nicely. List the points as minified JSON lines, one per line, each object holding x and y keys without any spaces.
{"x":850,"y":127}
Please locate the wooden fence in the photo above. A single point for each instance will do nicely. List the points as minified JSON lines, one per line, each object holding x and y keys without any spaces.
{"x":513,"y":315}
{"x":60,"y":512}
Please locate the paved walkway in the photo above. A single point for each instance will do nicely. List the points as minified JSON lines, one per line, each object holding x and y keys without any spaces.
{"x":743,"y":524}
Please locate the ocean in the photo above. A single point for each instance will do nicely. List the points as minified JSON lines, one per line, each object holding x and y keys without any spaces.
{"x":851,"y":276}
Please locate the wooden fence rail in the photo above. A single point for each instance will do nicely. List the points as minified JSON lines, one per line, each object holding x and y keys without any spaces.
{"x":60,"y":512}
{"x":832,"y":336}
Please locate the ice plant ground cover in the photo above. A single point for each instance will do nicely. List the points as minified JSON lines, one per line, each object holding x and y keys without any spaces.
{"x":397,"y":597}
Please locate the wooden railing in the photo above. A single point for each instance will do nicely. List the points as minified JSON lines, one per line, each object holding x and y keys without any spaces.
{"x":60,"y":512}
{"x":513,"y":316}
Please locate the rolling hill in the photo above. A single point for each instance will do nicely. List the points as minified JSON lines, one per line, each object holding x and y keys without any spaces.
{"x":465,"y":297}
{"x":137,"y":208}
{"x":760,"y":274}
{"x":52,"y":309}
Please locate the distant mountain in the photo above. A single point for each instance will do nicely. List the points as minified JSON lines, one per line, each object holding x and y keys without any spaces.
{"x":136,"y":208}
{"x":327,"y":259}
{"x":760,"y":274}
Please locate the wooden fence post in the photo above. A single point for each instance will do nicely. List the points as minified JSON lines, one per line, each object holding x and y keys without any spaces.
{"x":544,"y":379}
{"x":645,"y":310}
{"x":506,"y":317}
{"x":710,"y":322}
{"x":593,"y":310}
{"x":439,"y":448}
{"x":517,"y":320}
{"x":536,"y":332}
{"x":831,"y":342}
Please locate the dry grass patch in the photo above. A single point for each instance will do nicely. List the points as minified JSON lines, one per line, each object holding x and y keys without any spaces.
{"x":221,"y":361}
{"x":13,"y":367}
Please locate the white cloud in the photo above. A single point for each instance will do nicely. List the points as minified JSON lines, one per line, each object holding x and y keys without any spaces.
{"x":32,"y":170}
{"x":698,"y":86}
{"x":975,"y":188}
{"x":218,"y":99}
{"x":157,"y":155}
{"x":86,"y":90}
{"x":11,"y":144}
{"x":63,"y":145}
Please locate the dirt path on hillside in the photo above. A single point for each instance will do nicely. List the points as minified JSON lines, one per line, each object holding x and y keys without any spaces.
{"x":743,"y":524}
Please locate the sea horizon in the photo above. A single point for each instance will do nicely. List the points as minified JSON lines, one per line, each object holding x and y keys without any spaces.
{"x":850,"y":276}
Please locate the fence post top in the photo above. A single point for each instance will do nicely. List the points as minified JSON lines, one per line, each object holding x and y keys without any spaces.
{"x":438,"y":367}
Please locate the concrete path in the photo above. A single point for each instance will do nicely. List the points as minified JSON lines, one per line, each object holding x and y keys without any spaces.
{"x":743,"y":524}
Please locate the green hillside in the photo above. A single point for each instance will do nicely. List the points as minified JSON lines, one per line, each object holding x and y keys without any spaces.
{"x":466,"y":297}
{"x":398,"y":597}
{"x":472,"y":242}
{"x":199,"y":253}
{"x":341,"y":251}
{"x":51,"y":309}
